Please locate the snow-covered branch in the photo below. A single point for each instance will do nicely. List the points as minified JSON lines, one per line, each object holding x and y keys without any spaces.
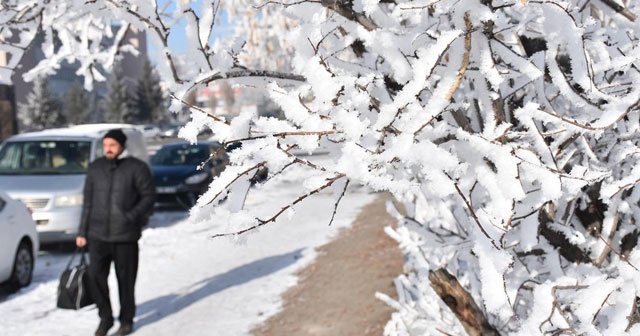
{"x":508,"y":130}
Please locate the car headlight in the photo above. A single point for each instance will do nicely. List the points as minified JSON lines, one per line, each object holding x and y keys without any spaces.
{"x":68,"y":200}
{"x":197,"y":178}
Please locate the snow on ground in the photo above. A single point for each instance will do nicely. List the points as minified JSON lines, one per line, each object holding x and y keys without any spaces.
{"x":189,"y":283}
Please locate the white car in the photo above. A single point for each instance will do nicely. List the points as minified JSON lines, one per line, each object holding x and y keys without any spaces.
{"x":149,"y":131}
{"x":19,"y":244}
{"x":46,"y":171}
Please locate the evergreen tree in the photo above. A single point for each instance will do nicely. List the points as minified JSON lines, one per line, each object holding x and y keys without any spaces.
{"x":150,"y":100}
{"x":43,"y":109}
{"x":76,"y":104}
{"x":115,"y":104}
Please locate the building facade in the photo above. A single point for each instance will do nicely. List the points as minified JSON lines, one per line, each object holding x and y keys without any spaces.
{"x":14,"y":95}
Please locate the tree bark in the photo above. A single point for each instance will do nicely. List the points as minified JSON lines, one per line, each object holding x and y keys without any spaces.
{"x":461,"y":303}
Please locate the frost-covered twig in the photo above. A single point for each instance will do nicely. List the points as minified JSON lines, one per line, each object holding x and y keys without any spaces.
{"x":607,"y":241}
{"x":557,"y":172}
{"x":161,"y":31}
{"x":255,"y":168}
{"x":610,"y":248}
{"x":197,"y":108}
{"x":249,"y":74}
{"x":286,"y":134}
{"x":576,"y":123}
{"x":473,"y":213}
{"x":626,"y":186}
{"x":343,"y":8}
{"x":619,"y":9}
{"x":465,"y":58}
{"x":262,"y":222}
{"x":557,"y":307}
{"x":595,"y":316}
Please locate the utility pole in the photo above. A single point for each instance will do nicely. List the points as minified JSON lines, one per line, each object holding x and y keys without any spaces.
{"x":8,"y":115}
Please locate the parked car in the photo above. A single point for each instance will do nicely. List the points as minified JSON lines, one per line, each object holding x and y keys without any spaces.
{"x":183,"y":171}
{"x":169,"y":131}
{"x":19,"y":244}
{"x":46,"y":171}
{"x":149,"y":131}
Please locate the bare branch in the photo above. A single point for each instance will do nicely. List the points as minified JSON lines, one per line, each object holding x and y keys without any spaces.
{"x":558,"y":307}
{"x":601,"y":306}
{"x":472,"y":212}
{"x":250,"y":73}
{"x":335,"y":207}
{"x":605,"y":251}
{"x":622,"y":256}
{"x":204,"y":48}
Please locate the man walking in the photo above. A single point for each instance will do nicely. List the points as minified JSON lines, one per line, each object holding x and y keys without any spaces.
{"x":118,"y":199}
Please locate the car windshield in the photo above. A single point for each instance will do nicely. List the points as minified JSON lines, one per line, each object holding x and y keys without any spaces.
{"x":44,"y":157}
{"x":181,"y":155}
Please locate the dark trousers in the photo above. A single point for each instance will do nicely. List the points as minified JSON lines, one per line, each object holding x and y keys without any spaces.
{"x":125,"y":260}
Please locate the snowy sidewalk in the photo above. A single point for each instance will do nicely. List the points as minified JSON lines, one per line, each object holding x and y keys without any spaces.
{"x":190,"y":284}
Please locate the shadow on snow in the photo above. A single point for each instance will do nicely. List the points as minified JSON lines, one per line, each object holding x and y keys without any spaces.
{"x":156,"y":309}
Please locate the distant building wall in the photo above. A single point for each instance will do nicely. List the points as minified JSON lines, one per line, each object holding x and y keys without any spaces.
{"x":132,"y":67}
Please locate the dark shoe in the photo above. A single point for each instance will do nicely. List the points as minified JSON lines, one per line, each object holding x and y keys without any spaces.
{"x":125,"y":329}
{"x":103,"y":328}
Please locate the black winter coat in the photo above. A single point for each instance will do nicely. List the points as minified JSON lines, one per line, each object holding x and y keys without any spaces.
{"x":119,"y":196}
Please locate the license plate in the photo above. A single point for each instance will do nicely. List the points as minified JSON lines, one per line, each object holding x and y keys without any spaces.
{"x":166,"y":190}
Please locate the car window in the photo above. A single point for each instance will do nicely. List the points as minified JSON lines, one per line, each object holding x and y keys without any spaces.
{"x":180,"y":155}
{"x":45,"y":157}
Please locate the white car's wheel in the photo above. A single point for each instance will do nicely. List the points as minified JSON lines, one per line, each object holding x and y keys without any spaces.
{"x":22,"y":268}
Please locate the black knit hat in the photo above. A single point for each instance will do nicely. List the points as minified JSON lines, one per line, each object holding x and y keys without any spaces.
{"x":118,"y":135}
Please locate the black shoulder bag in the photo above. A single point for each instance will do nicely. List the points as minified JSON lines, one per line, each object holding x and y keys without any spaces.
{"x":73,"y":288}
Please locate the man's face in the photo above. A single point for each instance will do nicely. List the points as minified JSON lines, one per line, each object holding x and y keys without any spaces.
{"x":111,"y":148}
